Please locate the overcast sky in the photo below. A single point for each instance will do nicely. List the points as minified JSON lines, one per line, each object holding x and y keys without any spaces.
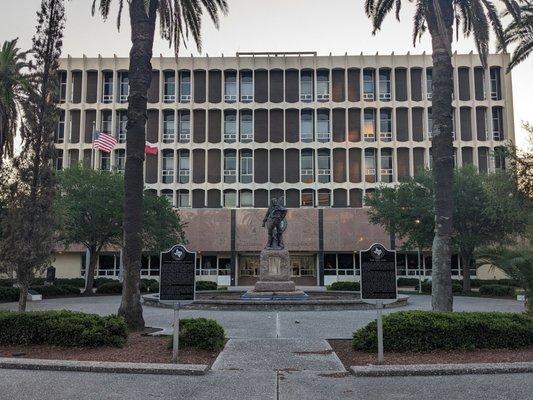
{"x":325,"y":26}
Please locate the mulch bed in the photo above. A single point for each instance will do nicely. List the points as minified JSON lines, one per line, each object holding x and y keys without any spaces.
{"x":139,"y":348}
{"x":349,"y":357}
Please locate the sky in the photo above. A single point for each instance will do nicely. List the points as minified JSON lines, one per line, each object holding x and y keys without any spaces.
{"x":324,"y":26}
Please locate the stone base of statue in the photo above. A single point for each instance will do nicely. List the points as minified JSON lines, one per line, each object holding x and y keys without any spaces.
{"x":274,"y":278}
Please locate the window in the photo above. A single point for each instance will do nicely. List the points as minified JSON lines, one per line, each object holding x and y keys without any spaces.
{"x":385,"y":125}
{"x":122,"y":123}
{"x":105,"y":161}
{"x":167,"y":173}
{"x":370,"y":165}
{"x":247,"y":126}
{"x":184,"y":126}
{"x":168,"y":126}
{"x":246,"y":199}
{"x":499,"y":158}
{"x":369,"y":125}
{"x":247,"y":87}
{"x":307,"y":126}
{"x":247,"y":163}
{"x":169,"y":195}
{"x":230,"y":126}
{"x":183,"y":199}
{"x":322,"y":85}
{"x":59,"y":160}
{"x":230,"y":166}
{"x":307,"y":166}
{"x":497,"y":123}
{"x":230,"y":199}
{"x":384,"y":85}
{"x":306,"y":86}
{"x":324,"y":166}
{"x":62,"y":86}
{"x":124,"y":89}
{"x":59,"y":136}
{"x":307,"y":198}
{"x":386,"y":165}
{"x":107,"y":92}
{"x":323,"y":133}
{"x":495,"y":84}
{"x":185,"y":86}
{"x":430,"y":123}
{"x":368,"y":85}
{"x":169,"y":87}
{"x":324,"y":198}
{"x":120,"y":157}
{"x":107,"y":122}
{"x":230,"y":86}
{"x":184,"y":166}
{"x":429,"y":83}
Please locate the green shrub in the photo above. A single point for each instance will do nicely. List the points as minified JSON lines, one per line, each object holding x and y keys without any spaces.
{"x":422,"y":331}
{"x":114,"y":287}
{"x":6,"y":282}
{"x":476,"y":283}
{"x":201,"y":333}
{"x":9,"y":294}
{"x":149,"y":285}
{"x":407,"y":281}
{"x":56,"y":291}
{"x":426,"y":287}
{"x":61,"y":328}
{"x":100,"y":281}
{"x":206,"y":285}
{"x":76,"y":282}
{"x":37,"y":282}
{"x":497,"y":290}
{"x":346,"y":286}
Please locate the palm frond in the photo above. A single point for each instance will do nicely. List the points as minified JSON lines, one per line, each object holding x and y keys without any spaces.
{"x":419,"y":21}
{"x":524,"y":49}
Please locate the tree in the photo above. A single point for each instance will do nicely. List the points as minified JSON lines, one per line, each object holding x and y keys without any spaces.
{"x":520,"y":32}
{"x":14,"y":85}
{"x":517,"y":263}
{"x":89,"y":206}
{"x":28,"y":189}
{"x":178,"y":19}
{"x":521,"y":162}
{"x":438,"y":16}
{"x":487,"y":210}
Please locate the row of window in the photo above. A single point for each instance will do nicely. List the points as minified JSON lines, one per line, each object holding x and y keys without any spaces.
{"x":305,"y":125}
{"x":304,"y":85}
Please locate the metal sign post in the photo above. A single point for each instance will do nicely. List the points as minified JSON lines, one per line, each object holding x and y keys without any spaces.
{"x":378,"y":282}
{"x":176,"y":338}
{"x":379,"y":307}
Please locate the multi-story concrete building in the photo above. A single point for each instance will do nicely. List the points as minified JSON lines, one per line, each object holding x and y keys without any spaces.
{"x":320,"y":131}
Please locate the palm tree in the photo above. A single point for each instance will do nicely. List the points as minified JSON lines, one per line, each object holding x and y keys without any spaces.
{"x":517,"y":263}
{"x":520,"y":31}
{"x":476,"y":17}
{"x":178,"y":19}
{"x":13,"y":86}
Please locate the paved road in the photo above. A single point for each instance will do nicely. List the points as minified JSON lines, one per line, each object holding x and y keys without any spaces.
{"x":258,"y":385}
{"x":270,"y":355}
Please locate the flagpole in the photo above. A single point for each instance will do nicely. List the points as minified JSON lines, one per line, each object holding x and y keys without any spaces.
{"x":93,"y":155}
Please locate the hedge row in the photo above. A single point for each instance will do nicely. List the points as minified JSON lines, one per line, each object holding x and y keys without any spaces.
{"x":61,"y":328}
{"x":457,"y":287}
{"x":345,"y":286}
{"x":497,"y":290}
{"x":201,"y":333}
{"x":9,"y":294}
{"x":423,"y":331}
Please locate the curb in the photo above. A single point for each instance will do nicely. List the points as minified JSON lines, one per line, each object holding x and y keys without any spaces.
{"x":103,"y":366}
{"x":441,"y":369}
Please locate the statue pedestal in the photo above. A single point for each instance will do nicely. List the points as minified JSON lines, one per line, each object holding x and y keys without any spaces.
{"x":274,"y":278}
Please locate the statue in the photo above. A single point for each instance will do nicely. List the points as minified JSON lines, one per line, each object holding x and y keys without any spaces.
{"x":276,"y":224}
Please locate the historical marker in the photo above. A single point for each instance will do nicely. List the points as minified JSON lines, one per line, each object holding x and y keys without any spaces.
{"x":378,"y":273}
{"x":177,"y":274}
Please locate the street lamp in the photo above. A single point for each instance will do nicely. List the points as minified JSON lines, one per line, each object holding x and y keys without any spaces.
{"x":417,"y":221}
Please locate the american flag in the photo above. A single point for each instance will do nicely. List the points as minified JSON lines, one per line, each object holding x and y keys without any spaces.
{"x":104,"y":142}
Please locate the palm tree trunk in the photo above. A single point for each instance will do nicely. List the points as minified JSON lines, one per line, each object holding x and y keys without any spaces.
{"x":467,"y":260}
{"x":442,"y":144}
{"x":23,"y":297}
{"x":142,"y":37}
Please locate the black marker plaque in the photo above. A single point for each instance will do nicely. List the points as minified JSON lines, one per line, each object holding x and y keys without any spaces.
{"x":378,"y":273}
{"x":177,"y":274}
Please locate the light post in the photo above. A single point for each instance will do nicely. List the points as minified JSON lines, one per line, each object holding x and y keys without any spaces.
{"x":417,"y":221}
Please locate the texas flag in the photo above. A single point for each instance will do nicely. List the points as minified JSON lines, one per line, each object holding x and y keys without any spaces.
{"x":150,"y":148}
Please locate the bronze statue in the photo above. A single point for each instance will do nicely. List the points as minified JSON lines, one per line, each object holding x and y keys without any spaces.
{"x":276,"y":224}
